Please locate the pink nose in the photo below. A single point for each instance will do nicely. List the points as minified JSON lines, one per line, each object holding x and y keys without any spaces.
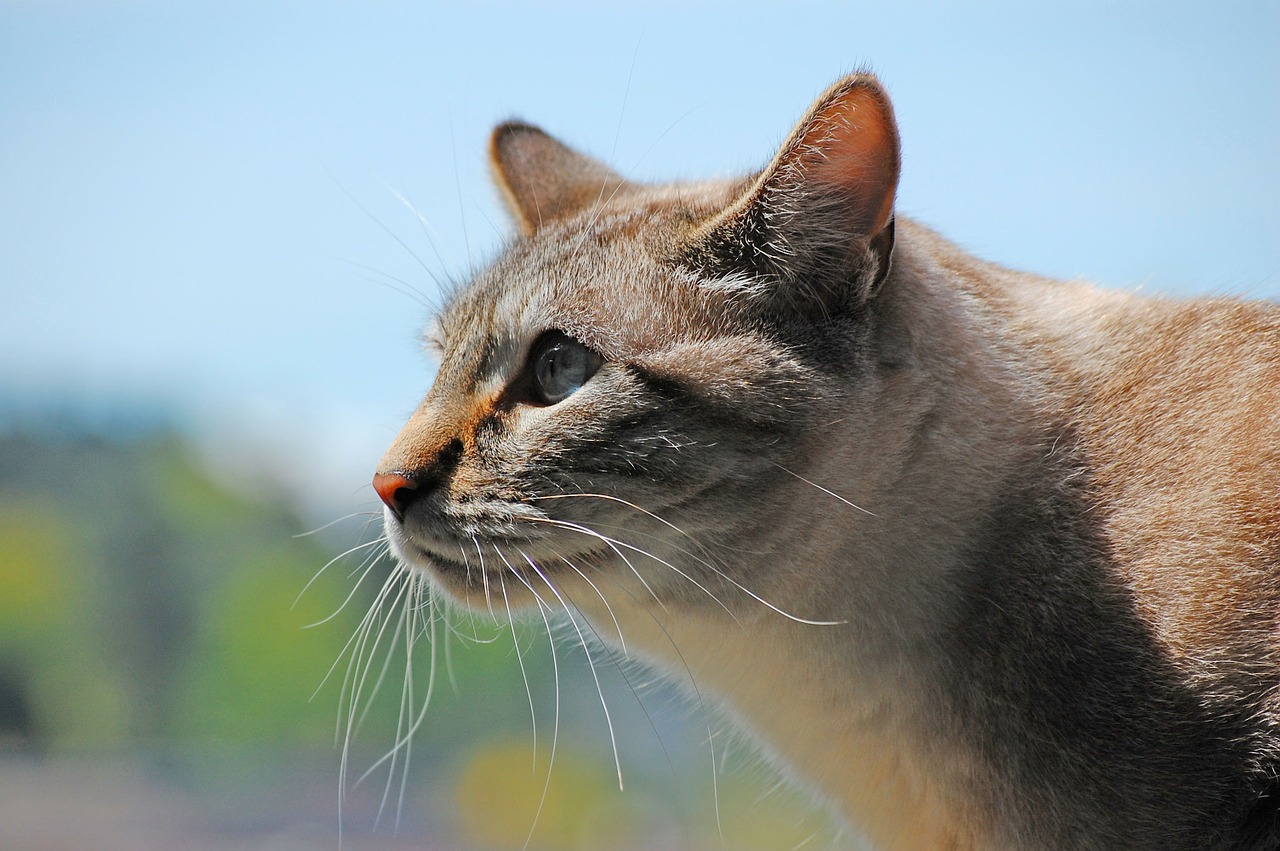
{"x":395,"y":490}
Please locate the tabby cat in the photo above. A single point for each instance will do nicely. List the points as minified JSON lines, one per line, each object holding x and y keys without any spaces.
{"x":987,"y":560}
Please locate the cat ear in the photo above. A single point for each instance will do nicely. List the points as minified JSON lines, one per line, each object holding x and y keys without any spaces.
{"x":541,"y":179}
{"x":818,"y":221}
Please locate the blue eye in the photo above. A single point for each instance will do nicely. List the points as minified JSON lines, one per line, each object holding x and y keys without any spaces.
{"x":561,"y":365}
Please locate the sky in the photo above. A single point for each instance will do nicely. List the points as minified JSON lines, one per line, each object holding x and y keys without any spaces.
{"x":239,"y":213}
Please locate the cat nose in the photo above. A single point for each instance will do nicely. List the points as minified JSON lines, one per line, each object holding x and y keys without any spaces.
{"x":396,"y":491}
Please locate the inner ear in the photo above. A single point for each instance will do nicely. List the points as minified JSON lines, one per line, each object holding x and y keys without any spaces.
{"x":818,"y":221}
{"x":846,"y":149}
{"x":542,"y":180}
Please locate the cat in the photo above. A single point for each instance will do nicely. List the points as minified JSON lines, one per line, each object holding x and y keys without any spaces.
{"x":987,"y":560}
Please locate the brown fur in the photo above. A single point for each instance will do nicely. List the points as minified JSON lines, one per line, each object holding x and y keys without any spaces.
{"x":989,"y":560}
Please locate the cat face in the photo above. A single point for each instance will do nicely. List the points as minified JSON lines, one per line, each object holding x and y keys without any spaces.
{"x":619,"y":389}
{"x":589,"y":389}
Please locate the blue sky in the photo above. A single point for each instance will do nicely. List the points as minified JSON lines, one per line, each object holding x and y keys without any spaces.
{"x":200,"y":203}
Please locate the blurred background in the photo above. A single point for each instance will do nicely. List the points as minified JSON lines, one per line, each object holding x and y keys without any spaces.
{"x":222,"y":226}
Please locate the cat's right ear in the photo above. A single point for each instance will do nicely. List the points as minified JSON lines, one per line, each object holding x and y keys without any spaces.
{"x":542,"y":180}
{"x":816,"y":226}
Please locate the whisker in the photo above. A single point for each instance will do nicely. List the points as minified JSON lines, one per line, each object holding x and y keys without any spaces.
{"x":421,"y":594}
{"x":363,"y":569}
{"x":449,"y":630}
{"x":331,"y":562}
{"x":404,"y":737}
{"x":403,"y":740}
{"x":356,"y":722}
{"x":604,"y":704}
{"x":600,"y":203}
{"x":391,"y":282}
{"x":351,"y":698}
{"x":331,"y":523}
{"x":824,"y":490}
{"x":720,"y":573}
{"x":406,"y":701}
{"x":610,"y":498}
{"x":524,"y":674}
{"x":484,"y":577}
{"x":622,"y":111}
{"x":433,"y":238}
{"x":564,"y":524}
{"x":366,"y":627}
{"x":431,"y":274}
{"x":407,"y":625}
{"x":620,"y":668}
{"x":364,"y":624}
{"x":614,"y":543}
{"x":555,"y":667}
{"x":803,"y":842}
{"x":457,"y":181}
{"x":621,"y":640}
{"x":693,"y":683}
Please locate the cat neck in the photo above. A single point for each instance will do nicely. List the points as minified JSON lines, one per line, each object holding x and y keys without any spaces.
{"x":865,"y":507}
{"x":918,"y":576}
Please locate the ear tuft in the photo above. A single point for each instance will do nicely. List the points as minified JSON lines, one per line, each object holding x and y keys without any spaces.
{"x":542,"y":180}
{"x":818,"y":221}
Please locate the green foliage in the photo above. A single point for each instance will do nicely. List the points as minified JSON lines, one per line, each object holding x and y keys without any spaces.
{"x":42,"y":628}
{"x":255,"y":663}
{"x":142,"y":601}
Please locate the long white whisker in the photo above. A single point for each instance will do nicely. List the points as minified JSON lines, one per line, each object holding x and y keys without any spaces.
{"x":388,"y":231}
{"x":413,"y":604}
{"x":591,"y":533}
{"x":803,"y":842}
{"x":614,"y":543}
{"x":726,"y":577}
{"x":462,"y":212}
{"x":420,"y":591}
{"x":825,"y":490}
{"x":364,"y":570}
{"x":405,"y":623}
{"x":702,"y":704}
{"x":404,"y":739}
{"x":484,"y":577}
{"x":610,"y":498}
{"x":427,"y":230}
{"x":411,"y":639}
{"x":360,"y":630}
{"x":330,"y":564}
{"x":401,"y":603}
{"x":524,"y":674}
{"x":391,"y":282}
{"x":604,"y":704}
{"x":449,"y":630}
{"x":357,"y":670}
{"x":555,"y":668}
{"x":351,"y":698}
{"x":618,"y":627}
{"x":320,"y":529}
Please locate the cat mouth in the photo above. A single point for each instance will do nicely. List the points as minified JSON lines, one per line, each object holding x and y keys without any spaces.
{"x":449,"y":569}
{"x":474,"y":573}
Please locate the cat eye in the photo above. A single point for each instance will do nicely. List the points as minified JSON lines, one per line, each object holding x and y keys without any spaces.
{"x":560,"y":366}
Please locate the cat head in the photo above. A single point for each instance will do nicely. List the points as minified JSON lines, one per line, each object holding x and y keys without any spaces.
{"x":620,"y":391}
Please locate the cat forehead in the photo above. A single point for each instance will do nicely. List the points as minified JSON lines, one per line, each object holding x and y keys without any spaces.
{"x":601,"y":287}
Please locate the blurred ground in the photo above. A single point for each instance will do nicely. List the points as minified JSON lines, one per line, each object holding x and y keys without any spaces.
{"x":119,"y":804}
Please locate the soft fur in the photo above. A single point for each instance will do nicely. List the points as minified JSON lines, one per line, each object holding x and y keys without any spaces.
{"x":990,"y":560}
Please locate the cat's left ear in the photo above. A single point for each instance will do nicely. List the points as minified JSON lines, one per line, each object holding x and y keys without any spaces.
{"x":817,"y":223}
{"x":543,"y":180}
